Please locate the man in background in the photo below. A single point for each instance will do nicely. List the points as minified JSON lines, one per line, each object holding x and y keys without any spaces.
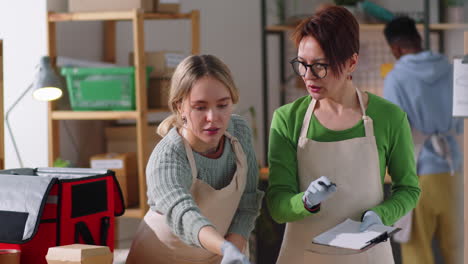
{"x":421,"y":84}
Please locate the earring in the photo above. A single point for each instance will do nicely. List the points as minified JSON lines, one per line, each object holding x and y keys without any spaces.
{"x":349,"y":77}
{"x":184,"y":120}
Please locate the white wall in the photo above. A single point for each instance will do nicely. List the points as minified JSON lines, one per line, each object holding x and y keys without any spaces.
{"x":23,"y":30}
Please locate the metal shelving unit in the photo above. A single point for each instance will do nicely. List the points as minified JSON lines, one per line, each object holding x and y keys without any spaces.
{"x":281,"y":30}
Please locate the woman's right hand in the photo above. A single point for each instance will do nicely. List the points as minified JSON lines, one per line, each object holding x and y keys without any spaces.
{"x":318,"y":191}
{"x":232,"y":255}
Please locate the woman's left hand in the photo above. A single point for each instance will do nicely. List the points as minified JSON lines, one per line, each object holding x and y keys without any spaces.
{"x":232,"y":255}
{"x":370,"y":218}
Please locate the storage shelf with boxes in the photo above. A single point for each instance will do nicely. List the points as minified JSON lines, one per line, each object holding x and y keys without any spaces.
{"x":143,"y":136}
{"x":163,"y":64}
{"x":160,"y":6}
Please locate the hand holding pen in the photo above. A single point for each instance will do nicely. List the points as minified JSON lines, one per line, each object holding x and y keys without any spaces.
{"x":318,"y":191}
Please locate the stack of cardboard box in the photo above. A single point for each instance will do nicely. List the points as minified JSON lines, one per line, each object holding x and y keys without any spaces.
{"x":122,"y":159}
{"x":125,"y":167}
{"x":163,"y":64}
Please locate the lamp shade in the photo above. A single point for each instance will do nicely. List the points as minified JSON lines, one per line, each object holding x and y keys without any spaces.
{"x":48,"y":85}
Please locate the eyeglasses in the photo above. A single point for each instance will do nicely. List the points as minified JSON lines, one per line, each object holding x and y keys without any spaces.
{"x":319,"y":70}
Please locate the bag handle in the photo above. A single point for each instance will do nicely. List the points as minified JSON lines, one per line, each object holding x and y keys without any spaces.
{"x":82,"y":230}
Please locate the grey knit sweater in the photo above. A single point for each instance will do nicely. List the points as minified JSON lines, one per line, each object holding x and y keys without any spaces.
{"x":169,"y":179}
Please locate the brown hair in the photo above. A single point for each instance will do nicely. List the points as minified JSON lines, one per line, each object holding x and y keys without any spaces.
{"x":337,"y":32}
{"x":189,"y":71}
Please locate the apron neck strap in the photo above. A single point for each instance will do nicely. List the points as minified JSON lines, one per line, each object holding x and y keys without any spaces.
{"x":368,"y":125}
{"x":190,"y":158}
{"x":238,"y":151}
{"x":307,"y":118}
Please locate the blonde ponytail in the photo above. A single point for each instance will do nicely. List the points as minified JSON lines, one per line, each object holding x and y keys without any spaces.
{"x":166,"y":125}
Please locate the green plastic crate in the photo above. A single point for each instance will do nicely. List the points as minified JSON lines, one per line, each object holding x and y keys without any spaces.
{"x":101,"y":88}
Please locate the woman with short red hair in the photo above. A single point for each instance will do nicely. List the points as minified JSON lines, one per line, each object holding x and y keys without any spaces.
{"x":329,"y":150}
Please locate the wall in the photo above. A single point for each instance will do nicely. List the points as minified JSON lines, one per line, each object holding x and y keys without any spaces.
{"x":23,"y":31}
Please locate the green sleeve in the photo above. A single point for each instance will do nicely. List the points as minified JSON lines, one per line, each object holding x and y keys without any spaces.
{"x":283,"y":197}
{"x":402,"y":169}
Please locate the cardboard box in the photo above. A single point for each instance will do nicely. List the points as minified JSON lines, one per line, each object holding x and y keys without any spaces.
{"x":167,"y":6}
{"x":163,"y":62}
{"x":10,"y":256}
{"x":158,"y":92}
{"x":122,"y":139}
{"x":79,"y":254}
{"x":109,"y":5}
{"x":126,"y":171}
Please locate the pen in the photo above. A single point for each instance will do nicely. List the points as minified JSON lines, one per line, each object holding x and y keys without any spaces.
{"x":325,"y":185}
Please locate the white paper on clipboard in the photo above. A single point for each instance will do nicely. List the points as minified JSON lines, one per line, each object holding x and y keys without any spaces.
{"x":460,"y":88}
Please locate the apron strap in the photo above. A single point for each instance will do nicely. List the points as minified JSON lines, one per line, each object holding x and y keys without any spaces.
{"x":307,"y":117}
{"x":190,"y":158}
{"x":241,"y":159}
{"x":368,"y":123}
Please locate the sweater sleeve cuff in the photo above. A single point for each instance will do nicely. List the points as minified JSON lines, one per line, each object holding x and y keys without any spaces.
{"x":197,"y":226}
{"x":242,"y":224}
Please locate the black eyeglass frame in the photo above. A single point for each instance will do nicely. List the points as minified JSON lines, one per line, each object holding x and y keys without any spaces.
{"x":311,"y":67}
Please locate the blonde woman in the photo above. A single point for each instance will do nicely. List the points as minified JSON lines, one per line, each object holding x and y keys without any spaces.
{"x":202,"y":177}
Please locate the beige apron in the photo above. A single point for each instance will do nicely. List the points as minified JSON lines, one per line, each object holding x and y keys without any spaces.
{"x":353,"y":165}
{"x":442,"y":148}
{"x":155,"y":241}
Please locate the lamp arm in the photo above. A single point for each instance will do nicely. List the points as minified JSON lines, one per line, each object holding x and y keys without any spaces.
{"x":7,"y":115}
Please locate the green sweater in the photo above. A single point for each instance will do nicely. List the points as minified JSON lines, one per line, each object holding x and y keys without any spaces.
{"x":169,"y":178}
{"x":394,"y":144}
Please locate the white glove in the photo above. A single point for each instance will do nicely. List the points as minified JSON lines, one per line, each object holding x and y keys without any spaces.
{"x":318,"y":191}
{"x":232,"y":255}
{"x":370,"y":218}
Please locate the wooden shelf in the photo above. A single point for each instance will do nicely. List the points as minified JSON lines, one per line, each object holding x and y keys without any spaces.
{"x":93,"y":115}
{"x":449,"y":26}
{"x":101,"y":115}
{"x":166,"y":16}
{"x":111,"y":16}
{"x":140,"y":114}
{"x":370,"y":27}
{"x":279,"y":28}
{"x":159,"y":110}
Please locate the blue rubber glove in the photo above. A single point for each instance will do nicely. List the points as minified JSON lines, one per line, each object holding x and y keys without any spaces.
{"x":369,"y":218}
{"x":318,"y":191}
{"x":232,"y":255}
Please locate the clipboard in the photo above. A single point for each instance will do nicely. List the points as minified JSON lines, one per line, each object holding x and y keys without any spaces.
{"x":346,"y":239}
